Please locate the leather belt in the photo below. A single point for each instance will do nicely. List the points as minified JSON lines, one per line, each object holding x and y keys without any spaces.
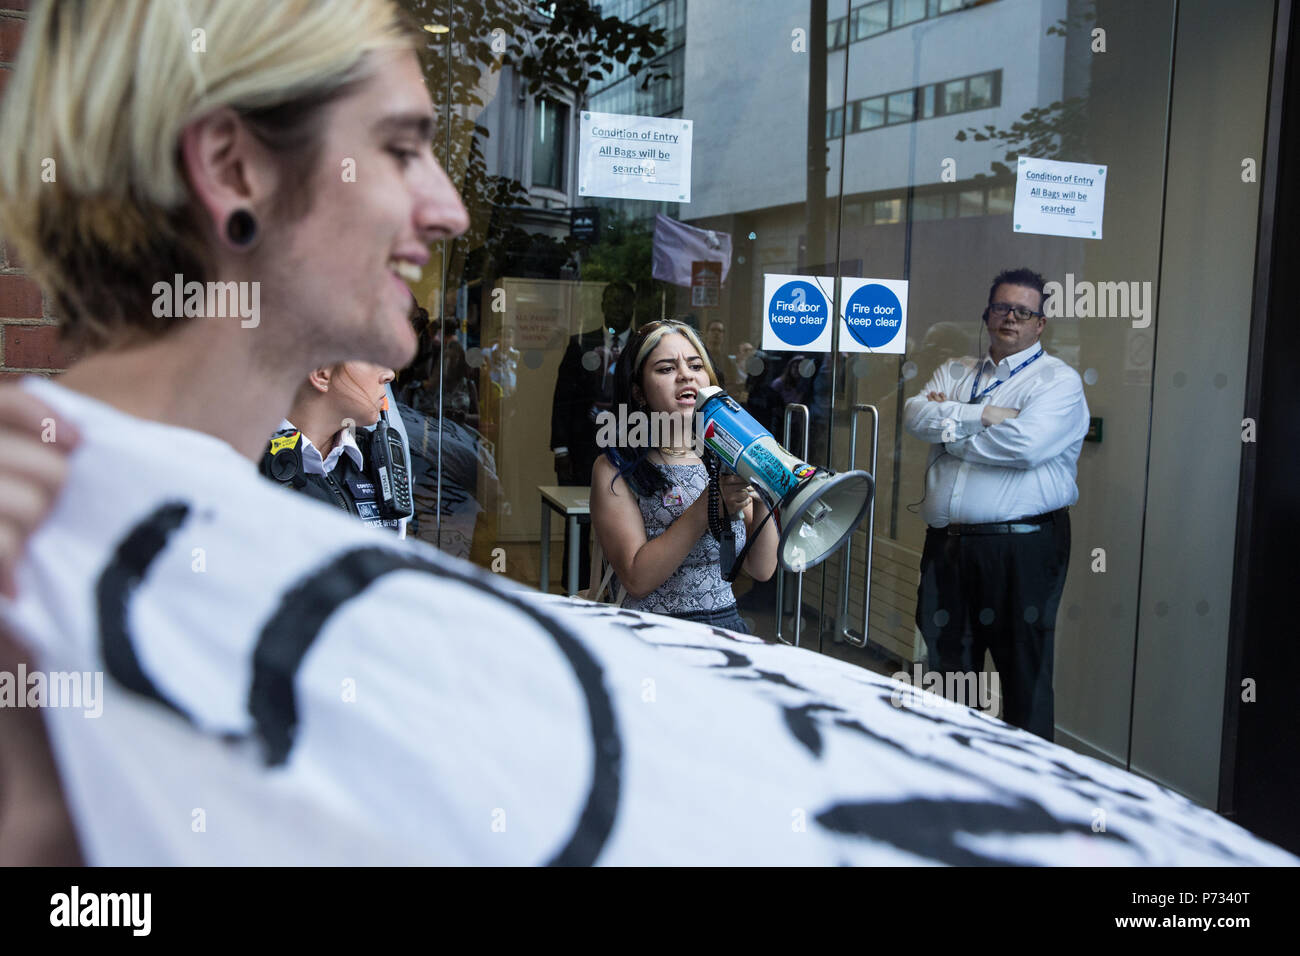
{"x":1018,"y":526}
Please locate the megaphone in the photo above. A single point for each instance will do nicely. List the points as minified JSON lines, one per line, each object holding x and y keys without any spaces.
{"x":818,"y":508}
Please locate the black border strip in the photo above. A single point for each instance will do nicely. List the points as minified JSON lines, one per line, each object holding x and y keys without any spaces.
{"x":1261,"y":307}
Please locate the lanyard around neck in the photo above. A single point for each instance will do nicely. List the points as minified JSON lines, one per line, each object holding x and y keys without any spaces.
{"x":975,"y":398}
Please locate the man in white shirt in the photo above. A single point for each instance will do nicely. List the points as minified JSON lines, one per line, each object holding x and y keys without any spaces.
{"x":1005,"y":434}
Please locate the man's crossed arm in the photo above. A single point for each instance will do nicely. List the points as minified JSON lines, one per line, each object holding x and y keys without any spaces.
{"x":1051,"y":420}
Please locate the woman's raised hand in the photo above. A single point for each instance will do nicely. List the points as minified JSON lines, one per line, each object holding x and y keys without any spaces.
{"x":736,"y":493}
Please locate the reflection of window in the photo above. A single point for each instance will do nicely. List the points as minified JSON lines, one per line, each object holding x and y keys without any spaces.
{"x":837,"y":33}
{"x":549,"y":122}
{"x":887,"y":211}
{"x":937,"y":203}
{"x":902,"y":106}
{"x":877,"y":17}
{"x":835,"y":123}
{"x":952,"y":96}
{"x":871,"y":113}
{"x":980,"y":93}
{"x":927,"y":102}
{"x":927,"y":206}
{"x":908,"y":11}
{"x":1001,"y":200}
{"x":934,"y":99}
{"x":871,"y":19}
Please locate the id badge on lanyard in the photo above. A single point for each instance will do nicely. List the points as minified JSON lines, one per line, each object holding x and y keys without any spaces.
{"x":975,"y":398}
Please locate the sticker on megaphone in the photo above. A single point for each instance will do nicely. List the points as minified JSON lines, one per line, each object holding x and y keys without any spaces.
{"x":776,"y":468}
{"x":745,"y":446}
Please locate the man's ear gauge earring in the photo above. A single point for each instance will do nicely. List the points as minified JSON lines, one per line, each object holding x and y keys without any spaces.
{"x":241,"y":228}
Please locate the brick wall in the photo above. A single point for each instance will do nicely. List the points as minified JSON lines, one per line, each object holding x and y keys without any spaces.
{"x":29,"y":340}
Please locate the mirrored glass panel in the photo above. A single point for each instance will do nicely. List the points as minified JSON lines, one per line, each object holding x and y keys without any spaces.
{"x":883,"y":141}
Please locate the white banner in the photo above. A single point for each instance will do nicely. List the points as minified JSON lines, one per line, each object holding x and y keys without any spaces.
{"x":336,"y":696}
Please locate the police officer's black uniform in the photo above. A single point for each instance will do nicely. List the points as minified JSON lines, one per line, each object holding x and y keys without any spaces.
{"x":348,"y":486}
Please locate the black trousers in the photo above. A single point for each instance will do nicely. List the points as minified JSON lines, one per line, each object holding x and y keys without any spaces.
{"x":998,"y":592}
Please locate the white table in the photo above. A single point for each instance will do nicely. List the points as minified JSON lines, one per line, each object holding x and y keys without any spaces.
{"x":573,"y":502}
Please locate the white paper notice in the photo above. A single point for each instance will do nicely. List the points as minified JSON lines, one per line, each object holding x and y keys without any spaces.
{"x":634,"y":157}
{"x":873,"y":316}
{"x":1059,"y":199}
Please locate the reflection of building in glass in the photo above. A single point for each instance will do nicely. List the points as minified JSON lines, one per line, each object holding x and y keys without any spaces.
{"x":534,"y":140}
{"x":914,"y":82}
{"x":622,"y":93}
{"x":927,"y":80}
{"x":550,"y":143}
{"x":923,"y":198}
{"x":918,"y":75}
{"x":879,"y":16}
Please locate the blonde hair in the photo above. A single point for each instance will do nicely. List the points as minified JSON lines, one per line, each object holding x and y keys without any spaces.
{"x":650,"y":335}
{"x":92,"y":194}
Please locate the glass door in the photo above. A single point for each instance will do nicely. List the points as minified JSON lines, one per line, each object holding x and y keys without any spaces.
{"x":945,"y":104}
{"x":829,"y":144}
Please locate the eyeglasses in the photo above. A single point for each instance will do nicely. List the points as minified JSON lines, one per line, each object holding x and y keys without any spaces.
{"x":1000,"y":309}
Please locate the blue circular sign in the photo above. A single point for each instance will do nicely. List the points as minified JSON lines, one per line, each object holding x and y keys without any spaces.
{"x":874,"y":316}
{"x":798,"y":313}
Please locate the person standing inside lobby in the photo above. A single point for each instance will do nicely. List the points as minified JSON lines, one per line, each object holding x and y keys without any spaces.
{"x":1004,"y":433}
{"x":584,"y":387}
{"x":715,"y":340}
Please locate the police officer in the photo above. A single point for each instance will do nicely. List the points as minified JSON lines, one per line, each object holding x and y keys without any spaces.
{"x":323,"y":450}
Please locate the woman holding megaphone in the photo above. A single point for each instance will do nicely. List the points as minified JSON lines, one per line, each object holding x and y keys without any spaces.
{"x":667,"y":519}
